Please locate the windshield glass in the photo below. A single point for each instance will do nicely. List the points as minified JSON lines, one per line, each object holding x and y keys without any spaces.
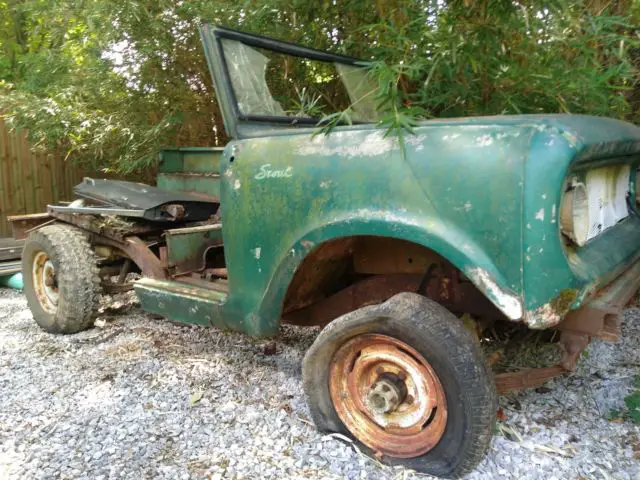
{"x":267,"y":83}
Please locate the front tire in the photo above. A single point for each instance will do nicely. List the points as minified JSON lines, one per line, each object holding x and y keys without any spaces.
{"x":408,"y":382}
{"x":61,"y":280}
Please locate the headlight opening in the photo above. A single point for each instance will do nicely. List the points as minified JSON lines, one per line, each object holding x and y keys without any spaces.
{"x":595,"y":202}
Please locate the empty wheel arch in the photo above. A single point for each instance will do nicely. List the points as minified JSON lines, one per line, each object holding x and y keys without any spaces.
{"x":345,"y":274}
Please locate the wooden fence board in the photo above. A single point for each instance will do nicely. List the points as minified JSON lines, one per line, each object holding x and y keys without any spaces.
{"x":27,"y":174}
{"x":30,"y":181}
{"x":4,"y":177}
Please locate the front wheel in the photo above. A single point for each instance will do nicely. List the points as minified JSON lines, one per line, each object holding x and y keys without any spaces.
{"x":61,"y":280}
{"x":408,"y":382}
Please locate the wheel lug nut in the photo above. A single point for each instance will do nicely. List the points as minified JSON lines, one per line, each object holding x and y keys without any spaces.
{"x":408,"y":400}
{"x":402,"y":375}
{"x":379,"y":370}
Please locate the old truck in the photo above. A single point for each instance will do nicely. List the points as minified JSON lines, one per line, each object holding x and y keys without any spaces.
{"x":529,"y":219}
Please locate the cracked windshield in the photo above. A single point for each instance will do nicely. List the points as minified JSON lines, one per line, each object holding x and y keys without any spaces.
{"x":267,"y":83}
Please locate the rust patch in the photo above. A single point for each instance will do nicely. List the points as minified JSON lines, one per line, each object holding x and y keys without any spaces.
{"x":380,"y":255}
{"x":445,"y":288}
{"x":369,"y":291}
{"x":335,"y":279}
{"x":111,"y":227}
{"x":527,"y":378}
{"x":388,"y":396}
{"x":138,"y":251}
{"x":21,"y":225}
{"x":321,"y":274}
{"x":552,"y":313}
{"x":174,"y":210}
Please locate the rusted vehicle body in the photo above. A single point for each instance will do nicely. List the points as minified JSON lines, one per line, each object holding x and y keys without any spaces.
{"x":530,"y":219}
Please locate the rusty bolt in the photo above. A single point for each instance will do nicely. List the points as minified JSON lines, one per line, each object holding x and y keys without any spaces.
{"x":384,"y":397}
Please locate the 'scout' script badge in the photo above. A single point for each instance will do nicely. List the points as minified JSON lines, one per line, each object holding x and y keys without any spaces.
{"x":267,"y":172}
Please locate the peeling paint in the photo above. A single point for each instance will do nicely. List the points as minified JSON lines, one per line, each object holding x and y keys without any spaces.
{"x":236,"y":184}
{"x":373,"y":144}
{"x":484,"y":140}
{"x":571,"y":138}
{"x":508,"y":302}
{"x":416,"y":141}
{"x":257,"y":252}
{"x":551,"y":313}
{"x":325,"y":184}
{"x":542,"y":317}
{"x":553,"y":214}
{"x":540,"y":215}
{"x":307,"y":244}
{"x":388,"y":215}
{"x":453,"y":136}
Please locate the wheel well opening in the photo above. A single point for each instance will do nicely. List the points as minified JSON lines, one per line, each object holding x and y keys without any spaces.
{"x":344,"y":274}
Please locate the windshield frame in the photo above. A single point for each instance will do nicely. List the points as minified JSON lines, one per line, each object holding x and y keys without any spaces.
{"x":286,"y":48}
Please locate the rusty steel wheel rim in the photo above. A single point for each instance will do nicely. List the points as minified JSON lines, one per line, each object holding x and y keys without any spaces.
{"x":388,"y":396}
{"x":45,"y":282}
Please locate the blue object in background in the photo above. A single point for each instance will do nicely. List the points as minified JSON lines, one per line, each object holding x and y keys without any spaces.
{"x":12,"y":281}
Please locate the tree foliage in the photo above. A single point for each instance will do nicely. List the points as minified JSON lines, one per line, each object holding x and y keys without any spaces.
{"x":110,"y":82}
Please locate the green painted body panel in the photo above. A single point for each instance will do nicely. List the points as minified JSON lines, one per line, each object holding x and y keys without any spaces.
{"x":181,"y":302}
{"x":190,"y":159}
{"x":470,"y":189}
{"x":194,"y":169}
{"x":190,"y":182}
{"x":189,"y":244}
{"x":484,"y":193}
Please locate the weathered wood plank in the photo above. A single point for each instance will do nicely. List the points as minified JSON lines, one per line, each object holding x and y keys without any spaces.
{"x":24,"y":159}
{"x":29,"y":181}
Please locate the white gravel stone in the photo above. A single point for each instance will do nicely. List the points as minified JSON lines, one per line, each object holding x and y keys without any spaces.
{"x":121,"y":402}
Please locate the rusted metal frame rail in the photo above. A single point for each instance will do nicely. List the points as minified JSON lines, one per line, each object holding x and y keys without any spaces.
{"x":123,"y":237}
{"x":601,"y":318}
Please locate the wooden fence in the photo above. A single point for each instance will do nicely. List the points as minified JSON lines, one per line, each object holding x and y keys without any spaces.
{"x":29,"y":181}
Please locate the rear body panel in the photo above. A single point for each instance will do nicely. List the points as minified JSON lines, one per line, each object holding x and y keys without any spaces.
{"x":193,"y":169}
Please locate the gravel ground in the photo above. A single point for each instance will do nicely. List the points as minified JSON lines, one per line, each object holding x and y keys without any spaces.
{"x":143,"y":398}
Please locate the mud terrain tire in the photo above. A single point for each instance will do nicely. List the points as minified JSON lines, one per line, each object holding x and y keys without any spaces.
{"x":68,"y":299}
